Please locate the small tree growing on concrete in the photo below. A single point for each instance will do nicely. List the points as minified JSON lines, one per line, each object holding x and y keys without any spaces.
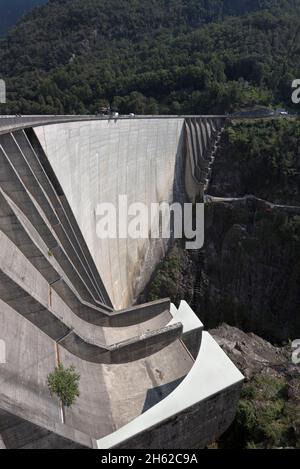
{"x":64,"y":383}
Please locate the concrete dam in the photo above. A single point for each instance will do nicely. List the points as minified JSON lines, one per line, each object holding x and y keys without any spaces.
{"x":151,"y":377}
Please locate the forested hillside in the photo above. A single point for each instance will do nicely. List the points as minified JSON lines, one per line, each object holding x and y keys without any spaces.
{"x":11,"y":10}
{"x":152,"y":56}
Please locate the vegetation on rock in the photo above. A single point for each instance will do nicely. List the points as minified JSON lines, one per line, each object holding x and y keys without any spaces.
{"x":174,"y":276}
{"x":267,"y":417}
{"x":268,"y":414}
{"x":259,"y":157}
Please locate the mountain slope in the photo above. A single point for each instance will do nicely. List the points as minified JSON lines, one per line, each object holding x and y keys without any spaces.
{"x":12,"y":10}
{"x":152,"y":56}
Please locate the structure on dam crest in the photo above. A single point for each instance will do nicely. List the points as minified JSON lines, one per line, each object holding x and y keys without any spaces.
{"x":150,"y":376}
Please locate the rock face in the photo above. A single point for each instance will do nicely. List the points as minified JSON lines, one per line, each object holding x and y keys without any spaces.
{"x":251,"y":270}
{"x":252,"y":354}
{"x":250,"y":275}
{"x":259,"y":157}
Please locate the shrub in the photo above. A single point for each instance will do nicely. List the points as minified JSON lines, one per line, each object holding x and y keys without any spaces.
{"x":265,"y":417}
{"x":64,"y":383}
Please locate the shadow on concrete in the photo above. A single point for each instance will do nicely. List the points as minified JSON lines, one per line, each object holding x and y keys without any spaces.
{"x":156,"y":395}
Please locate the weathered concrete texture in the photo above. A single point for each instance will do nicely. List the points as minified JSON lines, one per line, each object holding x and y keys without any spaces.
{"x":116,"y":395}
{"x":2,"y":444}
{"x":23,"y":234}
{"x":24,"y":289}
{"x":95,"y":162}
{"x":110,"y":396}
{"x":205,"y":406}
{"x":21,"y":434}
{"x":30,"y":357}
{"x":195,"y":428}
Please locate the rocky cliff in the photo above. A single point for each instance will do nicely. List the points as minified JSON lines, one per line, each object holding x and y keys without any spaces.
{"x":251,"y":268}
{"x":248,"y":274}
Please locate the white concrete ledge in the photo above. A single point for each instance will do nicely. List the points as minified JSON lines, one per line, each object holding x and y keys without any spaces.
{"x":212,"y":373}
{"x":192,"y":327}
{"x":186,"y":316}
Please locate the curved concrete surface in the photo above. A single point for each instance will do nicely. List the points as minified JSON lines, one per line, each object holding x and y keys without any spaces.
{"x":109,"y":396}
{"x":97,"y":161}
{"x":189,"y":399}
{"x":144,"y":159}
{"x":20,"y":280}
{"x":66,"y":296}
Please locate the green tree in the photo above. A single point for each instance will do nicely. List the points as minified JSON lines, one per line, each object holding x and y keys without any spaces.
{"x":64,"y":383}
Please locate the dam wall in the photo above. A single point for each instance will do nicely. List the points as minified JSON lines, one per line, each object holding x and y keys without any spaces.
{"x":98,"y":161}
{"x":148,"y":373}
{"x":143,"y":159}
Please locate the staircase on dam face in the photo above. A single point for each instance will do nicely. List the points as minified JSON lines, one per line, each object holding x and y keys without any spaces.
{"x":55,"y":307}
{"x":202,"y":138}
